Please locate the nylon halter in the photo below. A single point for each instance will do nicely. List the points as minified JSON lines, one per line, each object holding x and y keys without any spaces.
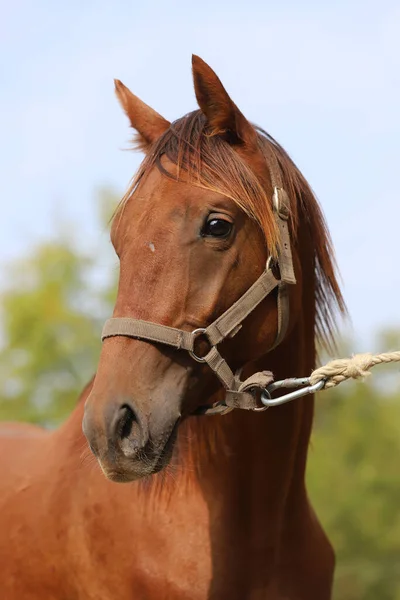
{"x":239,"y":394}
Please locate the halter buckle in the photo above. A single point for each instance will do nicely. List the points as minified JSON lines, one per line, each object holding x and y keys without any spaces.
{"x":280,"y":206}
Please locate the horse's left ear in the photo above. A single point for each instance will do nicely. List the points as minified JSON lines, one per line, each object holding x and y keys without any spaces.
{"x":223,"y":116}
{"x":146,"y":121}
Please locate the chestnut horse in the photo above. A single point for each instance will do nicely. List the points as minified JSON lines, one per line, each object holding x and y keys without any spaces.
{"x":228,"y":516}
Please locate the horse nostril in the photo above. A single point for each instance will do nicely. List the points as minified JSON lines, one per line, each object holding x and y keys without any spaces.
{"x":128,"y":431}
{"x":126,"y":423}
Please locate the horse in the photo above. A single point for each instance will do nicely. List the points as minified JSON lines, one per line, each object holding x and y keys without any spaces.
{"x":188,"y":488}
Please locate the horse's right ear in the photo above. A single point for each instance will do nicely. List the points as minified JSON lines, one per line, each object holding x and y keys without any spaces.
{"x":148,"y":124}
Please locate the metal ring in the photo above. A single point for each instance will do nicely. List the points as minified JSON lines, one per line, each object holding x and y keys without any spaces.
{"x":262,"y":408}
{"x":259,"y":408}
{"x":196,"y":333}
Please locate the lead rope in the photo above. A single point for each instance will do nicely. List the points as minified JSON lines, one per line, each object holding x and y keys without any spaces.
{"x":328,"y":376}
{"x":356,"y":367}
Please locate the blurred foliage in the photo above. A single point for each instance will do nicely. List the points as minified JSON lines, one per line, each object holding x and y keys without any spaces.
{"x":52,"y":313}
{"x":354,"y":483}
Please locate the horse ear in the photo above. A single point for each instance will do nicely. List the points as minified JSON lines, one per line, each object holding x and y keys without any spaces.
{"x":146,"y":121}
{"x":223,"y":116}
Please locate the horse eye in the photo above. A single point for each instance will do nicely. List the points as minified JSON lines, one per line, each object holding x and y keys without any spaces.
{"x":217,"y":228}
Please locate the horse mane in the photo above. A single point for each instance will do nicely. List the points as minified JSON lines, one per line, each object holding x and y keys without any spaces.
{"x":210,"y":162}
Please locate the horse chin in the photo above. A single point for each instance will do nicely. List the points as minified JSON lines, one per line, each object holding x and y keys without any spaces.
{"x":129,"y":470}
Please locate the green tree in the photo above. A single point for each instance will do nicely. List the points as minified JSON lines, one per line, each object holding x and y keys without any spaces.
{"x":52,"y":314}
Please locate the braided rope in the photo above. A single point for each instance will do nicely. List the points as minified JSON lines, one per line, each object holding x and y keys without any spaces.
{"x":356,"y":367}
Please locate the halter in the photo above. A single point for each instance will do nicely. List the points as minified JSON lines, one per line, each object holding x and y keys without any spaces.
{"x":239,"y":394}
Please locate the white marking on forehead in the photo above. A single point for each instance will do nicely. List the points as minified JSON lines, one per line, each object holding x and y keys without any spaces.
{"x":151,"y":246}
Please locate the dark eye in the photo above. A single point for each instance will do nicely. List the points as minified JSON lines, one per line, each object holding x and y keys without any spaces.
{"x":217,"y":228}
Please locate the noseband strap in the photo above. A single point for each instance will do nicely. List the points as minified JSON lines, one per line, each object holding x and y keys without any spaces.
{"x":239,"y":394}
{"x":146,"y":330}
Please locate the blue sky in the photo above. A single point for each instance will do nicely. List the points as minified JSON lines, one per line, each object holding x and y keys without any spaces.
{"x":324,"y":79}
